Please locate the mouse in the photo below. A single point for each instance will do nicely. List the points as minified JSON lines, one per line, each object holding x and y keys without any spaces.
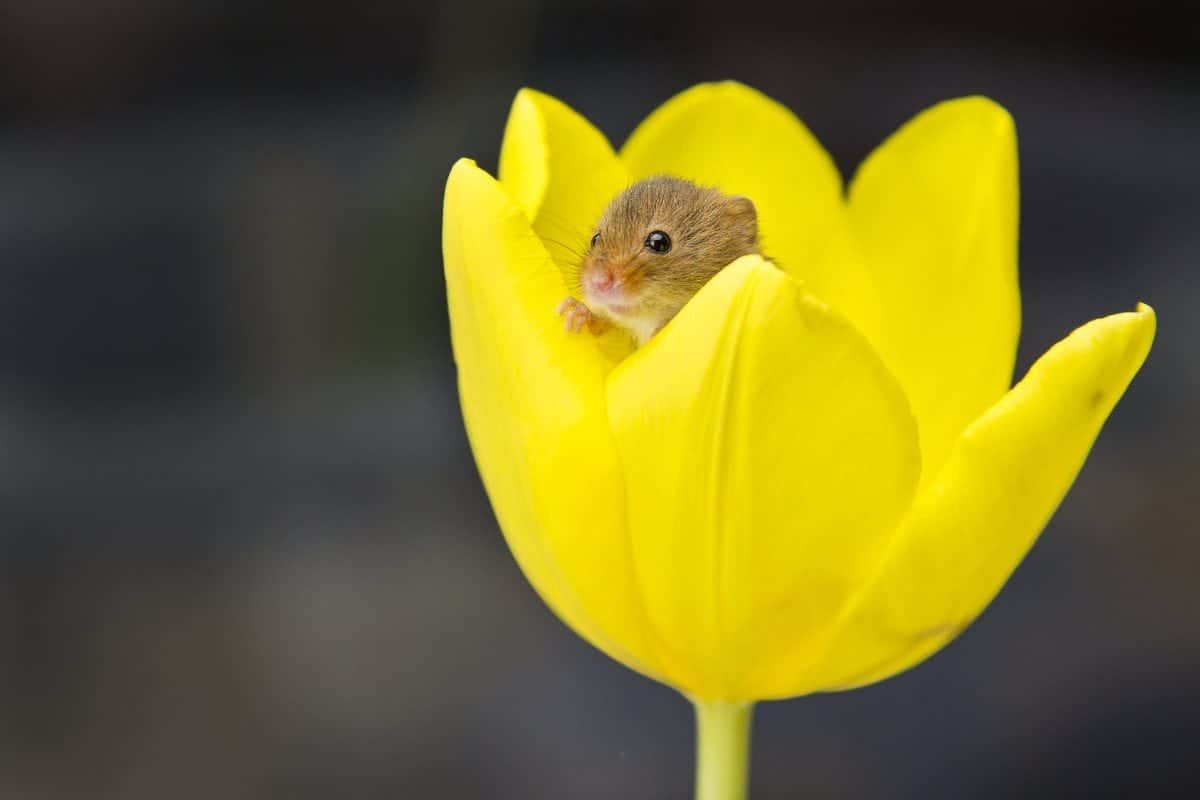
{"x":655,"y":245}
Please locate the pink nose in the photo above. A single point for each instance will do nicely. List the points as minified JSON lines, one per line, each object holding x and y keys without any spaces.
{"x":600,"y":280}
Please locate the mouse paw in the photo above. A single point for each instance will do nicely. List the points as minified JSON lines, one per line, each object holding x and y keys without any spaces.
{"x":576,"y":316}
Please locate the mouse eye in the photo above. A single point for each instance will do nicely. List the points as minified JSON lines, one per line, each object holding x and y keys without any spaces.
{"x":658,"y":242}
{"x":595,"y":239}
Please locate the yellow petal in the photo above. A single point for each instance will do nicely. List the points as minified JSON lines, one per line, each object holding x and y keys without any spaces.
{"x":734,"y":138}
{"x":934,"y":213}
{"x":533,"y":401}
{"x":561,"y":171}
{"x":974,"y":523}
{"x":767,"y":454}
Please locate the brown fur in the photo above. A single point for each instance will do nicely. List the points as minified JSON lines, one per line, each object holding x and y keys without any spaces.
{"x":708,"y":230}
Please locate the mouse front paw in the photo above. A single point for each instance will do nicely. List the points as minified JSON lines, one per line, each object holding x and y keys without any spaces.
{"x":576,"y":316}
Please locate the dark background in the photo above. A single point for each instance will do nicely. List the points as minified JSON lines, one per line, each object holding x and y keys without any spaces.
{"x":245,"y":552}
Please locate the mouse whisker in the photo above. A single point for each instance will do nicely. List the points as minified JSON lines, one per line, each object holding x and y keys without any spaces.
{"x":571,"y":250}
{"x":564,"y":227}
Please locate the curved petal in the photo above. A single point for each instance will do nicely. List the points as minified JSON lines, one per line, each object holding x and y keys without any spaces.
{"x":767,"y":454}
{"x":533,"y":401}
{"x":971,"y":526}
{"x":561,"y":171}
{"x":934,"y":213}
{"x":739,"y":140}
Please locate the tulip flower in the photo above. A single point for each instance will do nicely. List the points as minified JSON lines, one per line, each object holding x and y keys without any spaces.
{"x":819,"y":472}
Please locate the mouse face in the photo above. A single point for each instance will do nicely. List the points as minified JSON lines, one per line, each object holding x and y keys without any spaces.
{"x":657,"y":244}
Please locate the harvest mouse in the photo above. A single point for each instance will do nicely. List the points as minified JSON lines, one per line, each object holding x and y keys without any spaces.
{"x":658,"y":242}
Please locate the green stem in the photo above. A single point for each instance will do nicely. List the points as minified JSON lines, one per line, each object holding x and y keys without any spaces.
{"x":722,"y":750}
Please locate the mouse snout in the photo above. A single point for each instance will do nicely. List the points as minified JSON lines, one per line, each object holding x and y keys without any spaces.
{"x":600,"y":279}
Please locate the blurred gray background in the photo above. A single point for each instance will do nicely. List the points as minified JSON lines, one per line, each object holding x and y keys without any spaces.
{"x":246,"y":553}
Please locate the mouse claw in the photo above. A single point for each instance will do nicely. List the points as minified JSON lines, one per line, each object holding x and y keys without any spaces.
{"x":576,"y":316}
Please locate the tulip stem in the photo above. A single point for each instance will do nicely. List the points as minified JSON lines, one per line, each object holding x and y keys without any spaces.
{"x":722,"y":750}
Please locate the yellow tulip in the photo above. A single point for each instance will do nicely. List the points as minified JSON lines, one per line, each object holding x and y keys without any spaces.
{"x":817,"y":474}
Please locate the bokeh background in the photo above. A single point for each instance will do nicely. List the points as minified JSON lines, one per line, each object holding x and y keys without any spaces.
{"x":245,"y":551}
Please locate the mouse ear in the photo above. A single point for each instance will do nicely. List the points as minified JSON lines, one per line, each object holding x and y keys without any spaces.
{"x":741,"y":210}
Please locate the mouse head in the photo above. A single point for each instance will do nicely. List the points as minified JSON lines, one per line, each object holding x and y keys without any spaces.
{"x":659,"y":242}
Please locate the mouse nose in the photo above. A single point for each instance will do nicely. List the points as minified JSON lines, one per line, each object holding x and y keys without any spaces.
{"x":600,"y":280}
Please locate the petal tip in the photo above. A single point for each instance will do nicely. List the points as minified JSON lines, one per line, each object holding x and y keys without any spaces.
{"x":522,"y":168}
{"x":1148,"y":316}
{"x":974,"y":121}
{"x":463,"y":169}
{"x":524,"y":104}
{"x":533,"y":99}
{"x":1138,"y":327}
{"x":458,"y":172}
{"x":975,"y":107}
{"x":730,"y":86}
{"x":526,"y":94}
{"x":1148,"y":324}
{"x":733,"y":90}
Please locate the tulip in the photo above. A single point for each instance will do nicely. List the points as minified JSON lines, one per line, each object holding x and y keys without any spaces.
{"x":818,"y":473}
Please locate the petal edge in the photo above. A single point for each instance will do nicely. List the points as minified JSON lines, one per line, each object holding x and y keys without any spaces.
{"x":741,"y":141}
{"x":561,"y":171}
{"x":532,"y":398}
{"x":934,"y":215}
{"x":970,"y":528}
{"x":743,"y":428}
